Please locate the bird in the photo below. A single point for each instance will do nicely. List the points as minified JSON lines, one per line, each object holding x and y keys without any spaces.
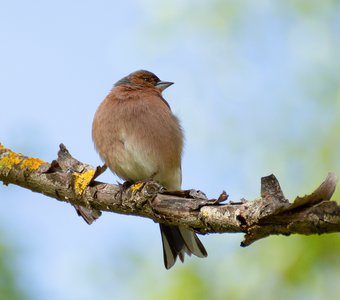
{"x":139,"y":138}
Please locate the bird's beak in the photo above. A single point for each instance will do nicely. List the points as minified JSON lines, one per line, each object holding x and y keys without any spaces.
{"x":162,"y":85}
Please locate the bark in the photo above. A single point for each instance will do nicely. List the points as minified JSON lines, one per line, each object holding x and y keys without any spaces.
{"x":69,"y":180}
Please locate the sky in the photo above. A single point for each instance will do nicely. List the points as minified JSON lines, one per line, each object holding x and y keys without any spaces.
{"x":240,"y":73}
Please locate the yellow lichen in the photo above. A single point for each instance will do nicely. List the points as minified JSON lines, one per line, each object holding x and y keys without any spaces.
{"x":31,"y":163}
{"x":81,"y":181}
{"x":135,"y":187}
{"x":205,"y":213}
{"x":9,"y":159}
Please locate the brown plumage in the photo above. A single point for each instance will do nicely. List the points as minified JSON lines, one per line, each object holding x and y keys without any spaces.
{"x":139,"y":138}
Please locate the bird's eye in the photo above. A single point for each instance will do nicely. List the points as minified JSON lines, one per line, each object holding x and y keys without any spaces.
{"x":146,"y":79}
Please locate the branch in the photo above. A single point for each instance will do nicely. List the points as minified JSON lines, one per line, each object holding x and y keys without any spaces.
{"x":66,"y":179}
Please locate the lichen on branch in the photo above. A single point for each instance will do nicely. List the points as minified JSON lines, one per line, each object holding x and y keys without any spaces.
{"x":69,"y":180}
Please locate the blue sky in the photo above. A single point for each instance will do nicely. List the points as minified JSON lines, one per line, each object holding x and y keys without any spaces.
{"x":240,"y":90}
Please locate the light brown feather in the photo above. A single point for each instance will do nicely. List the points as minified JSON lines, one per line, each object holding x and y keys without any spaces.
{"x":138,"y":137}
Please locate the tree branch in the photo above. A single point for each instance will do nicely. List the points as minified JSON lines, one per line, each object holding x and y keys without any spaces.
{"x":66,"y":179}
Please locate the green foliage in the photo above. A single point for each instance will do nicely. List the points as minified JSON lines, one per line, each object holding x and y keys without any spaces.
{"x":186,"y":283}
{"x":295,"y":267}
{"x":9,"y":289}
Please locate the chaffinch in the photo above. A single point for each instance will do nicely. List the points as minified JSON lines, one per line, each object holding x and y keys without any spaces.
{"x":139,"y":138}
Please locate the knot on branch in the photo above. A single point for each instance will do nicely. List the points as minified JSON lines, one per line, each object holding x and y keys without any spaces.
{"x":264,"y":216}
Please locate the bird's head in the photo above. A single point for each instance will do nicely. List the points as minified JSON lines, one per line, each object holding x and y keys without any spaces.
{"x":144,"y":79}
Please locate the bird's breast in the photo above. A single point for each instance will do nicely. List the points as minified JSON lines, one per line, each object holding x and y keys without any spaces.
{"x":139,"y":139}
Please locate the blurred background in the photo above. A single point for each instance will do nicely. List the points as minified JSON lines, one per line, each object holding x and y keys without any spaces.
{"x":257,"y":88}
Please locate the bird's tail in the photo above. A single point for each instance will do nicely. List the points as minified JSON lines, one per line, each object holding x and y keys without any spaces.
{"x":178,"y":240}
